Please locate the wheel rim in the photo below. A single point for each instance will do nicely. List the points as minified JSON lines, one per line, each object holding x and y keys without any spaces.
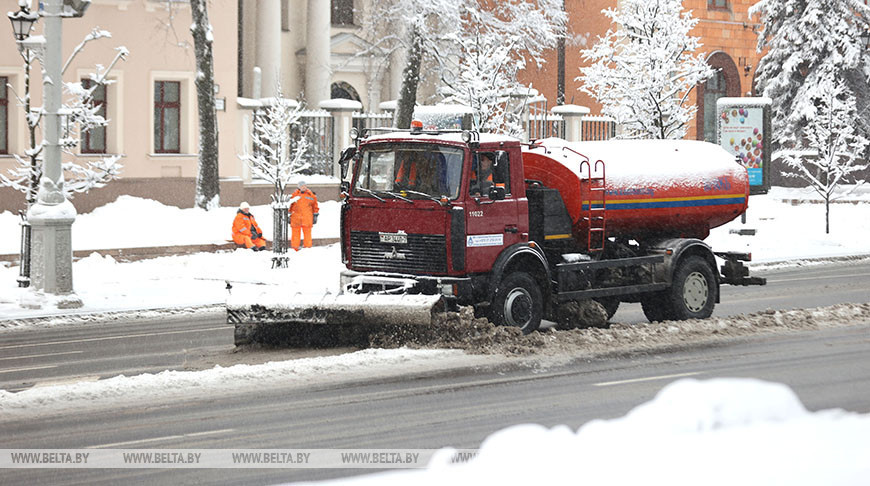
{"x":518,"y":308}
{"x":695,"y":292}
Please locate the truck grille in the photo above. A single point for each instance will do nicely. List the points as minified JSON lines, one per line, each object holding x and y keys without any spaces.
{"x":422,"y":253}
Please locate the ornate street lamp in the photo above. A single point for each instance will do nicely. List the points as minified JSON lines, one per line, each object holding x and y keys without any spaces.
{"x":22,"y":21}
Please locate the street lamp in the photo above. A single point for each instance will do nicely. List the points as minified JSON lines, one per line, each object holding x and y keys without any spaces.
{"x":22,"y":21}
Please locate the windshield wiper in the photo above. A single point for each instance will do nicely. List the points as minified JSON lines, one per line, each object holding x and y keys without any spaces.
{"x":373,"y":193}
{"x":418,"y":193}
{"x":397,"y":196}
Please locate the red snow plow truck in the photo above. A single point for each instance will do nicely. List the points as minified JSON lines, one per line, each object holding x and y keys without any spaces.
{"x":564,"y":231}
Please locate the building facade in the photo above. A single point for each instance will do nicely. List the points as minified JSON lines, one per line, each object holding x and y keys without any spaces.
{"x":306,"y":47}
{"x":728,"y":35}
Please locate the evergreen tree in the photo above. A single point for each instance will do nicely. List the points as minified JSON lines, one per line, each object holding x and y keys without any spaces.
{"x":807,"y":40}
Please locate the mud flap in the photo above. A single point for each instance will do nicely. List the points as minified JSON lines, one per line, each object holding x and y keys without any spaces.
{"x":269,"y":316}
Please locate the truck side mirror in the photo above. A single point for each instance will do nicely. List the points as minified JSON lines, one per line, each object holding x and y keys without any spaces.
{"x":344,"y":161}
{"x":344,"y":187}
{"x":497,"y":192}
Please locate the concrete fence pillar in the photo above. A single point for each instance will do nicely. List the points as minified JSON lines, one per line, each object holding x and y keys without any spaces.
{"x":342,"y":114}
{"x":573,"y":116}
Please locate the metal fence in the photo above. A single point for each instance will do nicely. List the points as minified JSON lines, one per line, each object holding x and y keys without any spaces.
{"x":598,"y":128}
{"x":543,"y":124}
{"x":318,"y":127}
{"x":361,"y":121}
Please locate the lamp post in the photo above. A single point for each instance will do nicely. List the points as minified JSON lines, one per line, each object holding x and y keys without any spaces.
{"x":52,"y":215}
{"x":22,"y":24}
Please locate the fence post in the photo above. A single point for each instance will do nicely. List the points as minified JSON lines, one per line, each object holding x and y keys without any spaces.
{"x":342,"y":114}
{"x":573,"y":116}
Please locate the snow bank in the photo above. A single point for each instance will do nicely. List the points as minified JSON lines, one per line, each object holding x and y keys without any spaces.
{"x":172,"y":385}
{"x":717,"y":432}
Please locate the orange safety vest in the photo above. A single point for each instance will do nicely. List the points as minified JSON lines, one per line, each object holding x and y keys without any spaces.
{"x":407,"y":175}
{"x":303,"y":210}
{"x":242,"y":225}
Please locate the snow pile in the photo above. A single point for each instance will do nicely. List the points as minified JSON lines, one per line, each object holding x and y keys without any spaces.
{"x":173,"y":385}
{"x":718,"y":432}
{"x":131,"y":222}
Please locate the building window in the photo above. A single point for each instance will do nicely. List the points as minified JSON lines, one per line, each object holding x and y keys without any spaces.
{"x":167,"y":117}
{"x":94,"y":140}
{"x":342,"y":12}
{"x":726,"y":82}
{"x":4,"y":115}
{"x":718,"y":4}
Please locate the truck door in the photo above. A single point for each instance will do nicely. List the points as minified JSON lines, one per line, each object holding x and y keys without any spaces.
{"x":491,"y":220}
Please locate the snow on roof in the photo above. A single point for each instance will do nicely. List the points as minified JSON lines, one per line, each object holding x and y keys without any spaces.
{"x":437,"y":137}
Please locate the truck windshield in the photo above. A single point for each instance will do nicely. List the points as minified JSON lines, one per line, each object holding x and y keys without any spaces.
{"x":410,"y":171}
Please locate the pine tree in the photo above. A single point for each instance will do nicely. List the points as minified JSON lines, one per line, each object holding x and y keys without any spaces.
{"x":828,"y":152}
{"x":643,"y":69}
{"x":807,"y":40}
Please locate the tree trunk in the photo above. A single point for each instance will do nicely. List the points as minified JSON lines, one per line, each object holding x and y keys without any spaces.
{"x":410,"y":80}
{"x":207,"y":177}
{"x":827,"y":215}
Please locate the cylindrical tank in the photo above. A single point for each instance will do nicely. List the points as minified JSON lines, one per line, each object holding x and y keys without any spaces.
{"x":674,"y":188}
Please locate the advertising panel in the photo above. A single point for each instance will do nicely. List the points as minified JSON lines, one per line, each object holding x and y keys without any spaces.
{"x":744,"y":130}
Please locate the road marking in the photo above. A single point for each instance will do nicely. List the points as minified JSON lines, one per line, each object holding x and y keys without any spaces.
{"x":110,"y":338}
{"x":651,"y":378}
{"x":157,"y":439}
{"x":13,"y":370}
{"x":42,"y":355}
{"x":820,"y":277}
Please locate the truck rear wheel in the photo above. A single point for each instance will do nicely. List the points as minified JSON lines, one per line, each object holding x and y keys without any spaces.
{"x":693,"y":292}
{"x":518,"y":302}
{"x":611,"y":305}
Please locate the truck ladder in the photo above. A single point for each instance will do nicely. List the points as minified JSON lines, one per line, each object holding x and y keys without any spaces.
{"x":595,"y":216}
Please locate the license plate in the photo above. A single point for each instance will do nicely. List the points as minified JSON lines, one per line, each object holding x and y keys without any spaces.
{"x":394,"y":238}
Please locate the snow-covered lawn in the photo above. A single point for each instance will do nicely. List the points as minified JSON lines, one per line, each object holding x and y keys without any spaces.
{"x":715,"y":432}
{"x":785,"y":232}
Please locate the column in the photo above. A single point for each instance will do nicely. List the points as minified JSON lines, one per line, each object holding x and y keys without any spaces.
{"x":269,"y":44}
{"x":342,"y":115}
{"x":573,"y":116}
{"x":317,"y":52}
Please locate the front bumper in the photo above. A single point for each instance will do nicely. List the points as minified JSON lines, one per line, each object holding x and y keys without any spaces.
{"x":454,"y":289}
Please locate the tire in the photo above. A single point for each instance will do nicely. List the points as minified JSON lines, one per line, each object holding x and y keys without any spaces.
{"x":611,"y":305}
{"x":655,"y":307}
{"x":518,"y":302}
{"x":693,"y":291}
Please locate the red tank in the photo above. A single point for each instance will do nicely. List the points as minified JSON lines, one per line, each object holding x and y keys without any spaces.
{"x":674,"y":188}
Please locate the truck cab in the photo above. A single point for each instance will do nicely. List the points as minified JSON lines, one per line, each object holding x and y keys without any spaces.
{"x":432,"y":211}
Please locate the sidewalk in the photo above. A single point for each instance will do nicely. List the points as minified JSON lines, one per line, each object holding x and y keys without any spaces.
{"x":146,"y":252}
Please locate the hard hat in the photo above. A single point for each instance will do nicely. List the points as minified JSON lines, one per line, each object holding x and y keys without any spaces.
{"x":300,"y":184}
{"x":244,"y":206}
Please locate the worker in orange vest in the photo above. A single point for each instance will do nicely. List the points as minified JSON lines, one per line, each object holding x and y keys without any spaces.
{"x":303,"y":215}
{"x":246,"y":231}
{"x":481,"y":179}
{"x":406,"y":177}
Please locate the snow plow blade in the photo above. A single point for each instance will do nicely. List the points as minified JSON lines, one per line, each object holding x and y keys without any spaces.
{"x":275,"y":319}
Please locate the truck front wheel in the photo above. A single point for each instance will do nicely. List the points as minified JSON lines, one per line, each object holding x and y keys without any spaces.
{"x":518,"y":302}
{"x":693,"y":294}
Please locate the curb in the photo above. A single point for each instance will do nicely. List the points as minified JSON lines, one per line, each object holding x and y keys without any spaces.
{"x":146,"y":252}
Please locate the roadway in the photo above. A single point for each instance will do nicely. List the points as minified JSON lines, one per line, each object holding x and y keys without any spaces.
{"x":827,"y":369}
{"x":45,"y":356}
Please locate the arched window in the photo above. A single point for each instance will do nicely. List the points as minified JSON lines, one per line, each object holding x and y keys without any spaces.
{"x":345,"y":91}
{"x":726,"y":82}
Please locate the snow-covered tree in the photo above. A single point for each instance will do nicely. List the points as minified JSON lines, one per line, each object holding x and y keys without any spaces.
{"x":440,"y":34}
{"x":830,"y":149}
{"x":207,"y":175}
{"x":643,"y":69}
{"x":278,"y":154}
{"x":805,"y":41}
{"x":491,"y":47}
{"x":82,"y":115}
